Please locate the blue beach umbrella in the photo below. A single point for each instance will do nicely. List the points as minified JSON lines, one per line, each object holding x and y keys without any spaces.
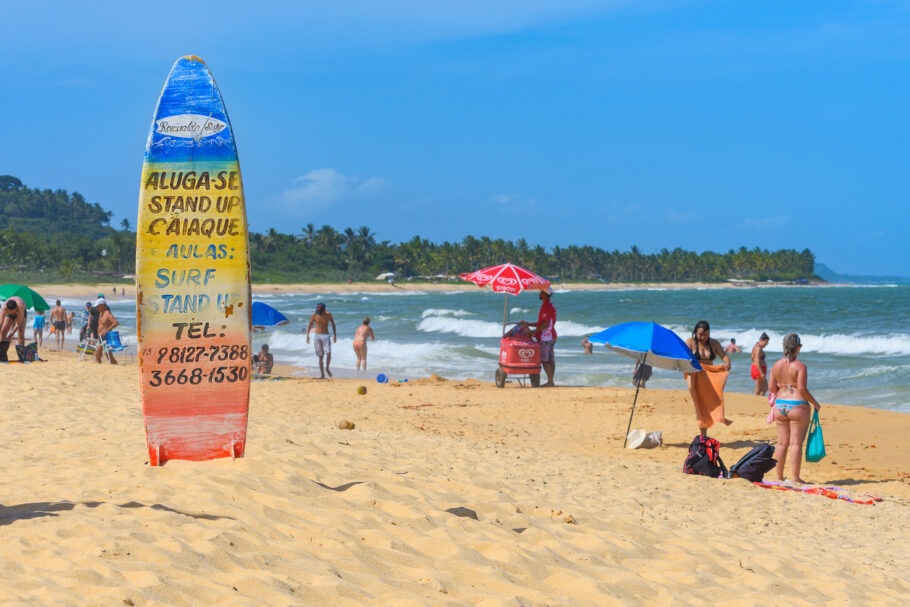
{"x":649,"y":343}
{"x":266,"y":316}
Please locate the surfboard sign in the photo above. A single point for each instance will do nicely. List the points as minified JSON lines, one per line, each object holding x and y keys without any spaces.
{"x":193,"y":276}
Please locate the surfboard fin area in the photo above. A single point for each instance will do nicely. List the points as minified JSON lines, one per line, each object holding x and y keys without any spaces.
{"x":194,"y":353}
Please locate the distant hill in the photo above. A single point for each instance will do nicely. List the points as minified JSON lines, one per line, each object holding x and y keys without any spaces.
{"x":50,"y":212}
{"x":830,"y":275}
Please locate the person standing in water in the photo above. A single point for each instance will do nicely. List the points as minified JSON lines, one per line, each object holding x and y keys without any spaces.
{"x":790,"y":379}
{"x":732,"y":347}
{"x":759,"y":371}
{"x":58,"y":319}
{"x":320,"y":321}
{"x":360,"y":342}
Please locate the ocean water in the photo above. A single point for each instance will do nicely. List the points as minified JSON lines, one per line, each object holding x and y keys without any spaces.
{"x":856,"y":340}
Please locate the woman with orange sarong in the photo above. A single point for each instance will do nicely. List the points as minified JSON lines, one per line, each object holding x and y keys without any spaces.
{"x":707,"y":387}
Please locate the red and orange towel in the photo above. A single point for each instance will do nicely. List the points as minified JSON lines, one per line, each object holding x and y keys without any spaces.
{"x":707,"y":390}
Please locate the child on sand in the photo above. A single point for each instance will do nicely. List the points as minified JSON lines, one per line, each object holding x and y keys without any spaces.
{"x":360,"y":342}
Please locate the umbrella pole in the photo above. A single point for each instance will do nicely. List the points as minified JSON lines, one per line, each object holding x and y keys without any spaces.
{"x":635,"y":400}
{"x":505,"y":307}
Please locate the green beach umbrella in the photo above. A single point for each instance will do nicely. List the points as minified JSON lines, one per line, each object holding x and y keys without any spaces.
{"x":30,"y":297}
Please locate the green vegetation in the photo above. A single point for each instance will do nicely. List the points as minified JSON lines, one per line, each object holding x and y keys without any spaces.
{"x":66,"y":238}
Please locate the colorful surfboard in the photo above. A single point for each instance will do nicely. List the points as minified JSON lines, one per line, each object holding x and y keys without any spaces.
{"x":193,"y":276}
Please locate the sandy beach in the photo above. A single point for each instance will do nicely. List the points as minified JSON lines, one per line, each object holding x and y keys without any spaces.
{"x":445,"y":493}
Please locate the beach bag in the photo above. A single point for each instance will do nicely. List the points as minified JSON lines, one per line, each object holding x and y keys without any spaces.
{"x":815,"y":444}
{"x":4,"y":348}
{"x":704,"y":458}
{"x":27,"y":354}
{"x":754,"y":464}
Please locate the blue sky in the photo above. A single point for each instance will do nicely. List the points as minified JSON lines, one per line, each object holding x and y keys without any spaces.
{"x":703,"y":125}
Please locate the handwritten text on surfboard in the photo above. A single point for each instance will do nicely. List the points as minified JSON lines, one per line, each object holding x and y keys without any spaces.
{"x":193,"y":181}
{"x":189,"y":126}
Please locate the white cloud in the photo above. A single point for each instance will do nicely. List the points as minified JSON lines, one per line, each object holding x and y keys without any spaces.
{"x":322,"y":188}
{"x":504,"y":198}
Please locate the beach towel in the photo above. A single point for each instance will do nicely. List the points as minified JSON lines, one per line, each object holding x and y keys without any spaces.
{"x":707,"y":390}
{"x":834,"y":493}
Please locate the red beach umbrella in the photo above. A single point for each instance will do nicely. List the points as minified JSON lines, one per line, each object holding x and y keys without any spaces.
{"x":506,"y":278}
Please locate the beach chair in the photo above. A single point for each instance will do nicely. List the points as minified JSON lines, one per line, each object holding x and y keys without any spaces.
{"x":87,"y":347}
{"x":112,"y":344}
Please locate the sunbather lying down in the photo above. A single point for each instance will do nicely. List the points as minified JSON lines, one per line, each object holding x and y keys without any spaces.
{"x":521,"y":330}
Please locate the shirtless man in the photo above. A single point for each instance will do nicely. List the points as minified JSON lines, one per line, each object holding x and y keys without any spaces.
{"x":732,"y":347}
{"x":360,"y":342}
{"x":69,"y":322}
{"x":106,"y":322}
{"x":58,"y":319}
{"x":14,"y":319}
{"x":320,"y":321}
{"x":759,"y":371}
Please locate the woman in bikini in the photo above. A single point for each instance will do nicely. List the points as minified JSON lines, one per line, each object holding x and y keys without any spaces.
{"x":789,"y":380}
{"x":706,"y":349}
{"x":361,"y":335}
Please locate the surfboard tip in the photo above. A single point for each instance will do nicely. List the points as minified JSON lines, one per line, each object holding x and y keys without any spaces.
{"x":193,"y":58}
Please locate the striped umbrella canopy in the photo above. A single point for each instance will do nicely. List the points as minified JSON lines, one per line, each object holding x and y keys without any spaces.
{"x":506,"y":278}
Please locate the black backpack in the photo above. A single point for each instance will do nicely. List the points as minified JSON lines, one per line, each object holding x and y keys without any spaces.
{"x":755,"y":464}
{"x":704,"y":458}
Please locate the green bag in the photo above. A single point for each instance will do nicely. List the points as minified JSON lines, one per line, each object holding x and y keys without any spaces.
{"x":815,"y":444}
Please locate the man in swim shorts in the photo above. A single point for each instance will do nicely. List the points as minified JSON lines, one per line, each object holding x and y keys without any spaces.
{"x":58,"y":318}
{"x":732,"y":347}
{"x":759,"y":370}
{"x":320,"y":321}
{"x":14,"y":319}
{"x":106,"y":323}
{"x":360,"y":342}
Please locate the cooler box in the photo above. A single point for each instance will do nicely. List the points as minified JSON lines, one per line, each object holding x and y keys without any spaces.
{"x":519,"y":356}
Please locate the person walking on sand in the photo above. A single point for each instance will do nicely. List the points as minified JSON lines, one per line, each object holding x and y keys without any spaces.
{"x":789,"y":380}
{"x":320,"y":321}
{"x":759,"y":370}
{"x":732,"y":347}
{"x":38,"y":329}
{"x":58,"y":319}
{"x":360,"y":342}
{"x":707,"y":385}
{"x":15,"y":317}
{"x":545,"y":333}
{"x":106,"y":322}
